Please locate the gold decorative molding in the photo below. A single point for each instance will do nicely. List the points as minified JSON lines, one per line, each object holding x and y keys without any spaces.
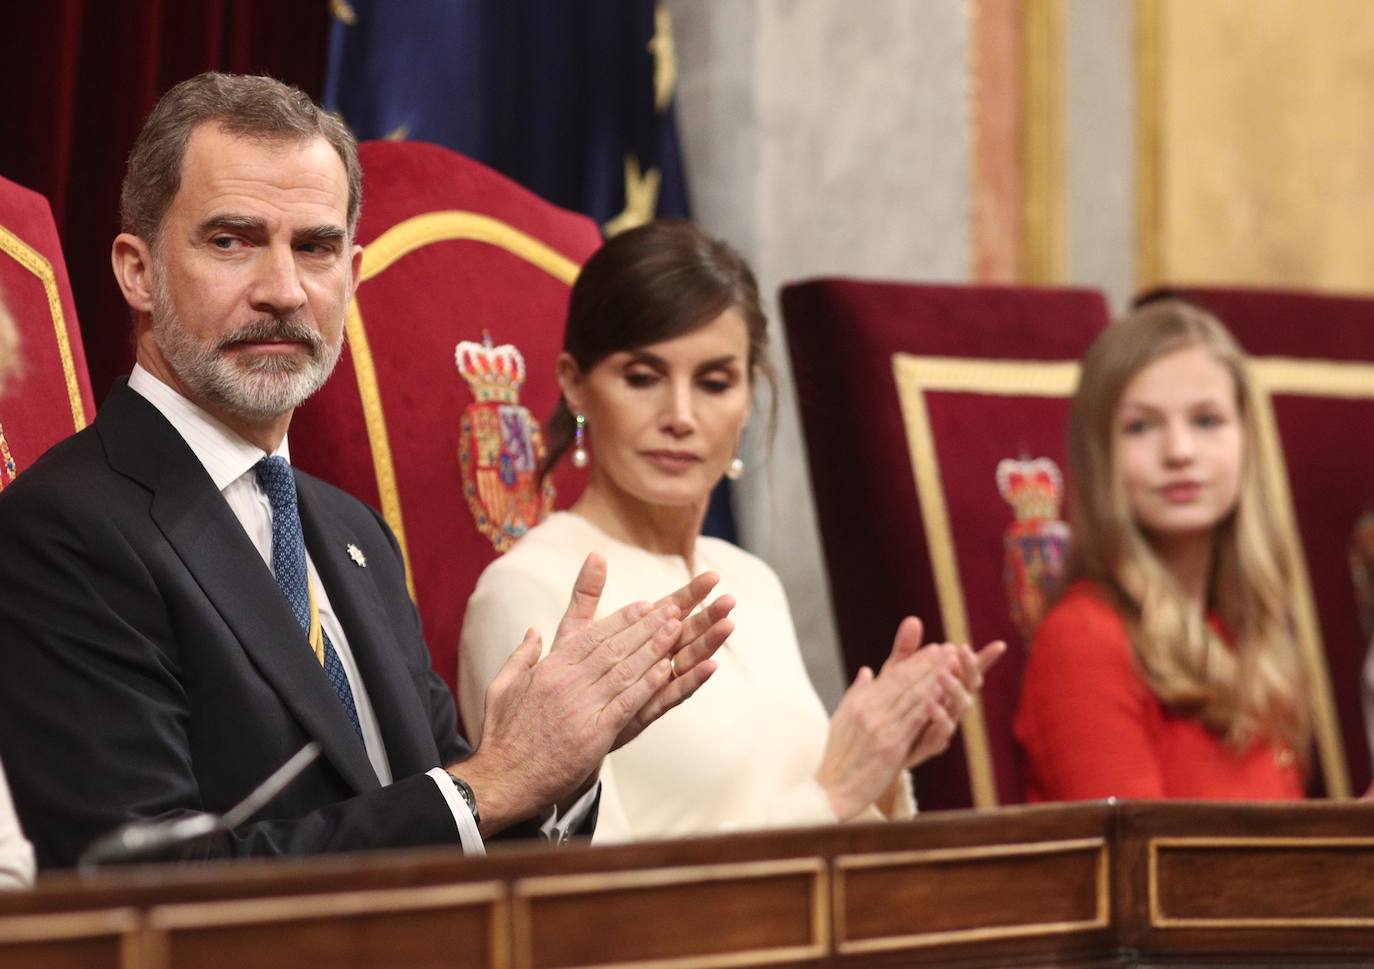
{"x":260,"y":911}
{"x":1272,"y":376}
{"x":38,"y":264}
{"x":382,"y":253}
{"x":419,"y":231}
{"x":1149,"y":160}
{"x":1044,"y":255}
{"x":915,"y":376}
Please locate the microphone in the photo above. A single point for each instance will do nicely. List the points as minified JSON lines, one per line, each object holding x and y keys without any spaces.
{"x":154,"y":836}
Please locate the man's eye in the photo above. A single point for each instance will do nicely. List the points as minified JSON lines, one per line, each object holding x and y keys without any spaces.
{"x":315,"y":248}
{"x":223,"y":242}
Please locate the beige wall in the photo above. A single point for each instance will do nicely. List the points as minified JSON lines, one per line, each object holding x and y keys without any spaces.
{"x":1264,"y":171}
{"x":823,"y":138}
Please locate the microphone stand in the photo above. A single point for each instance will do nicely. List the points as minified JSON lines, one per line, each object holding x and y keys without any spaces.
{"x":155,"y":836}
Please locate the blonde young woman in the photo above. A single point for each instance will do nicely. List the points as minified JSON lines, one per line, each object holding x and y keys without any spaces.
{"x":1168,"y":668}
{"x":665,"y":340}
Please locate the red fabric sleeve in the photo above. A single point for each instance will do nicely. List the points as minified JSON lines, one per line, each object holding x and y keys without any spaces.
{"x":1087,"y":721}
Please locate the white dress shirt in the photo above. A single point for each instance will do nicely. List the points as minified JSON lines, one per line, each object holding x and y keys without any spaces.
{"x":16,"y":854}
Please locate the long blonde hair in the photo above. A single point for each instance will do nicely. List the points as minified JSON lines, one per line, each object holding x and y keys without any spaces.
{"x":1257,"y":689}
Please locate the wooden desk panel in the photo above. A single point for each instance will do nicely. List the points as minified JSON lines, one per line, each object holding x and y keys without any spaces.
{"x":1301,"y":882}
{"x":98,"y":939}
{"x":1103,"y":885}
{"x":1293,"y":884}
{"x":445,"y":927}
{"x":747,"y":914}
{"x":975,"y":894}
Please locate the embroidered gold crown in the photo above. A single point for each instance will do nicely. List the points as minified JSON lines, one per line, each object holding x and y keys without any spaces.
{"x":1034,"y":489}
{"x":493,"y":373}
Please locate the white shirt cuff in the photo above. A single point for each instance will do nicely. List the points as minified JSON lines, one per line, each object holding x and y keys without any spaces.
{"x":468,"y":835}
{"x":559,"y":829}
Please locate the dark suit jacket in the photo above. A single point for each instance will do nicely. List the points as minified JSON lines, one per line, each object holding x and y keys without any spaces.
{"x":149,"y":663}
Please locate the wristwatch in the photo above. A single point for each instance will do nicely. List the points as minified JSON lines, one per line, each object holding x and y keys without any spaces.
{"x":465,"y":792}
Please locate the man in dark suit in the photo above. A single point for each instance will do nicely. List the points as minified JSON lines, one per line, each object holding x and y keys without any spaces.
{"x":180,"y":612}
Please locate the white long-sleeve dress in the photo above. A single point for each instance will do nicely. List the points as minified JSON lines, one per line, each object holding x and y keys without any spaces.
{"x":741,"y":753}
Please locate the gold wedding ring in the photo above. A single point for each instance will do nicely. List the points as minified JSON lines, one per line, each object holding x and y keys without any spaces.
{"x":672,"y":665}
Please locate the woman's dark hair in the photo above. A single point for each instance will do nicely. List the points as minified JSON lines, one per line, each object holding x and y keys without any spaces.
{"x":651,"y":284}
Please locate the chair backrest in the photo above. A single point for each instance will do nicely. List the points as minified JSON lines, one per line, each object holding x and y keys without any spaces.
{"x":922,"y":407}
{"x":445,"y":443}
{"x":51,"y":398}
{"x":1313,"y":365}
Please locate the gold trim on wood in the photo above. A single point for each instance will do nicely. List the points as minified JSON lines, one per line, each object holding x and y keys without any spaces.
{"x":527,"y":890}
{"x":400,"y":240}
{"x":201,"y":915}
{"x":1044,"y":255}
{"x":1149,"y":160}
{"x":914,"y":377}
{"x":68,"y":925}
{"x":1101,"y":917}
{"x":38,"y":264}
{"x":935,"y":856}
{"x":1159,"y":920}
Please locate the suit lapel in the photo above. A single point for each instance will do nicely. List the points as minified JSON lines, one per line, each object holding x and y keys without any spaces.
{"x":356,"y":601}
{"x":222,"y":560}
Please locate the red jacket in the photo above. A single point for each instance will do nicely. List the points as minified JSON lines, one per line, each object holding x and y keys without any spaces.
{"x":1091,"y":727}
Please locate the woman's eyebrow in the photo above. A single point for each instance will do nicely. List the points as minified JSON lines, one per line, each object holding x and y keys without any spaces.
{"x":718,"y":363}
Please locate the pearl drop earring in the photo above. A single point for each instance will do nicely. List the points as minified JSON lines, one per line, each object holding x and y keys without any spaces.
{"x":579,"y":455}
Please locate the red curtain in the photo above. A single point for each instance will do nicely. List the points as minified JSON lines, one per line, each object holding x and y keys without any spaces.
{"x":80,"y":77}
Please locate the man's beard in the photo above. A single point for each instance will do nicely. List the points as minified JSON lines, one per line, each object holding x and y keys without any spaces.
{"x":253,"y":387}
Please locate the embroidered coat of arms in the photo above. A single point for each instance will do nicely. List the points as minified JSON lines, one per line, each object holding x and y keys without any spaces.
{"x":1035,"y":543}
{"x":501,"y":446}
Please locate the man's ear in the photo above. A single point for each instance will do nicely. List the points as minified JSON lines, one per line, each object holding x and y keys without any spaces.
{"x":569,"y":376}
{"x":357,"y":268}
{"x":132,"y":261}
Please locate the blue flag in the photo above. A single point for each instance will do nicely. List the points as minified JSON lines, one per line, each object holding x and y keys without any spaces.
{"x":571,"y":98}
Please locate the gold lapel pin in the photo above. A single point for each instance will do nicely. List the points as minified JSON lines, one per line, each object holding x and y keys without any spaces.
{"x":356,"y":554}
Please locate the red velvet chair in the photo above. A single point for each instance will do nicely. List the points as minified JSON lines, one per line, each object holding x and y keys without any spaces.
{"x":1314,"y":361}
{"x":951,"y":382}
{"x":454,"y":253}
{"x":51,"y":398}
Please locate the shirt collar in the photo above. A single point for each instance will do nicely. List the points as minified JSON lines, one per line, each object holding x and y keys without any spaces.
{"x":225,"y":455}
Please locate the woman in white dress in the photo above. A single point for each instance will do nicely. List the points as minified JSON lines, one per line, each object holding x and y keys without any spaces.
{"x":665,"y":339}
{"x":16,"y":854}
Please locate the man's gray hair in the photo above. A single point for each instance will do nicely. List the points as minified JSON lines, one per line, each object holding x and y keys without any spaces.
{"x":241,"y":104}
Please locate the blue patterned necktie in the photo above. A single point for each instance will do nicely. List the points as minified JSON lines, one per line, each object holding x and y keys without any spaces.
{"x":288,"y":565}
